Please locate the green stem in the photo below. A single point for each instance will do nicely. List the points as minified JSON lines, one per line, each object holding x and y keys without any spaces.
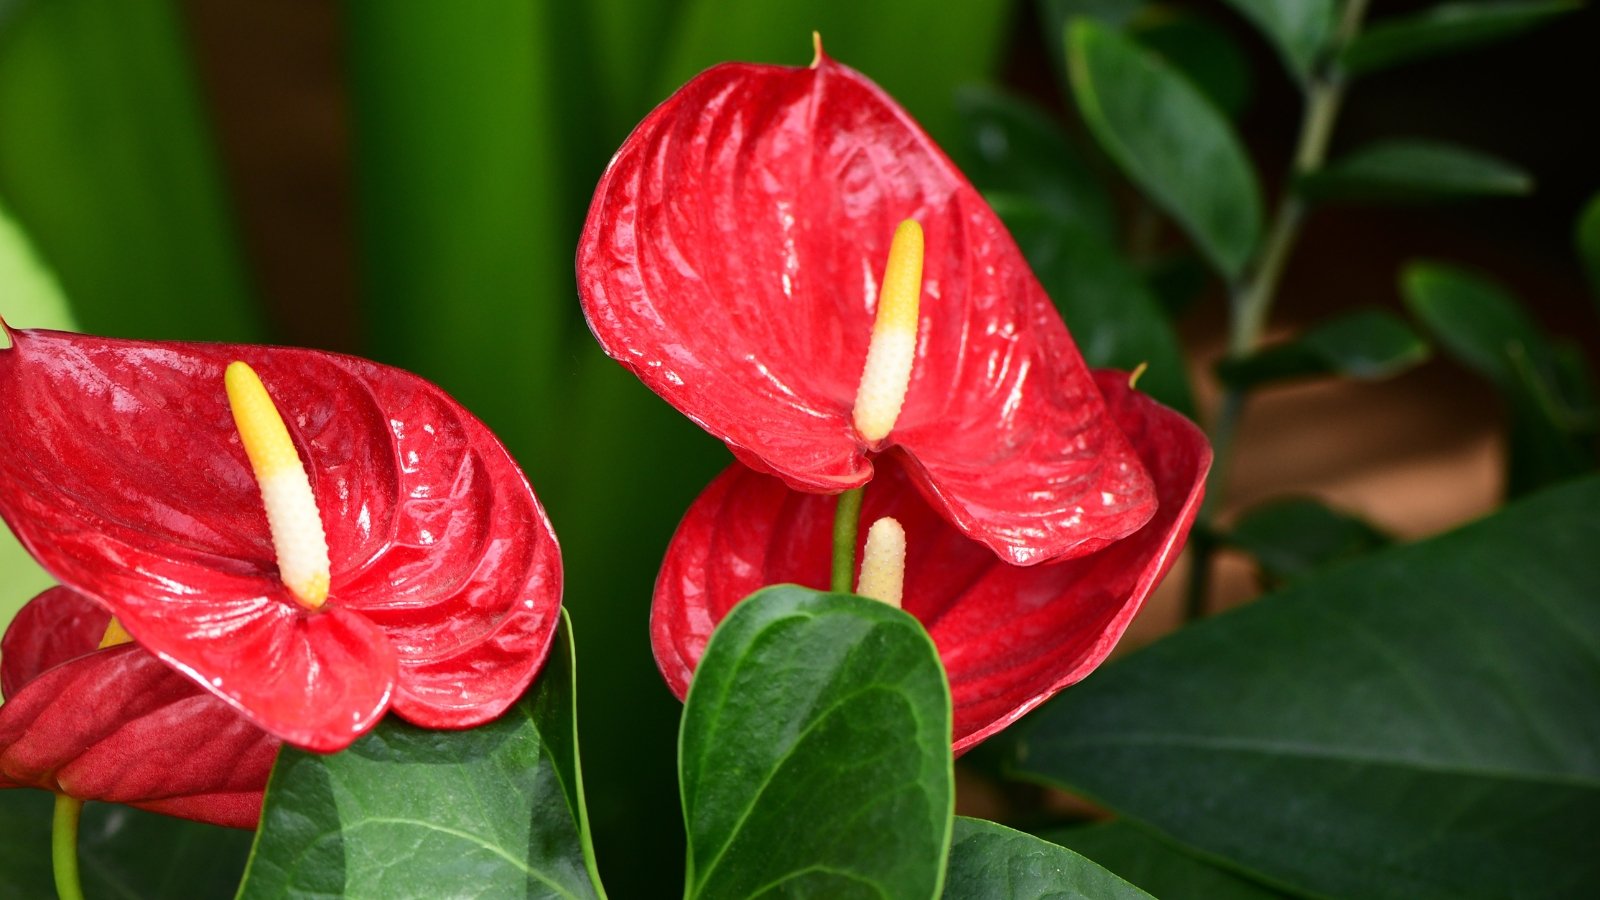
{"x":846,"y":522}
{"x":1252,"y":298}
{"x":64,"y":847}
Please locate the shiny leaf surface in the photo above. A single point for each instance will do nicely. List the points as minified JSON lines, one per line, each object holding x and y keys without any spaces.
{"x":1169,"y":139}
{"x":1447,"y":28}
{"x":445,"y":575}
{"x":1009,"y":636}
{"x":496,"y":811}
{"x":117,"y":724}
{"x":1156,"y":865}
{"x":993,"y":862}
{"x":814,"y":758}
{"x":731,"y":260}
{"x":1299,"y":29}
{"x":1368,"y":345}
{"x":1432,"y":711}
{"x":1414,"y":169}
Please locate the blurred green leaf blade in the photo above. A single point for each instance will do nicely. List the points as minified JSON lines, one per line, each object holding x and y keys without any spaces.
{"x":1294,"y":537}
{"x":1446,"y":28}
{"x":992,"y":861}
{"x":1587,"y":236}
{"x":1415,"y":169}
{"x":815,"y":751}
{"x":1158,"y":866}
{"x":1432,"y":711}
{"x":1299,"y":29}
{"x":1367,"y":344}
{"x":122,"y":852}
{"x":107,"y":160}
{"x":1203,"y":51}
{"x":1169,"y":139}
{"x":407,"y":811}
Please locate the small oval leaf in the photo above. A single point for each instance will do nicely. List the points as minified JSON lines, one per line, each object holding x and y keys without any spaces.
{"x":1414,"y":169}
{"x":1446,"y":28}
{"x":1299,"y":29}
{"x":1368,"y":345}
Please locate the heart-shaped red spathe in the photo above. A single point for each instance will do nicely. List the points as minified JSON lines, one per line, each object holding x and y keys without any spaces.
{"x":124,"y":476}
{"x":1010,"y":636}
{"x":118,"y":725}
{"x":732,"y":258}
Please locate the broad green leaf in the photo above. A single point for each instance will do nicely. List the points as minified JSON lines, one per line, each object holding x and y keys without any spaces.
{"x":1369,"y":345}
{"x":29,"y":298}
{"x":1588,"y":240}
{"x":106,"y":159}
{"x":1169,"y":139}
{"x":917,"y":55}
{"x":1299,"y":29}
{"x":1546,"y":385}
{"x":1114,"y":318}
{"x":1294,"y":537}
{"x":496,"y":811}
{"x":122,"y":852}
{"x":1203,"y":51}
{"x":1156,"y":865}
{"x":1421,"y":723}
{"x":814,"y":758}
{"x":1411,"y":169}
{"x":992,"y":861}
{"x":1446,"y":28}
{"x":1012,"y":146}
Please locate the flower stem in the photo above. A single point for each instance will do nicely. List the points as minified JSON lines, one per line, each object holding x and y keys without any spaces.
{"x":64,"y":847}
{"x":846,"y":522}
{"x":1251,"y":300}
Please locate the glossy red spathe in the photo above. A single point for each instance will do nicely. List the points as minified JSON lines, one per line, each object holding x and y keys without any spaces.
{"x":118,"y":725}
{"x":732,"y":259}
{"x":1010,"y":637}
{"x":124,"y":475}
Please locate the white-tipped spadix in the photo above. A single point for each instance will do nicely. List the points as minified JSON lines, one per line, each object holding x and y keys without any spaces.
{"x":883,"y":562}
{"x":887,"y":374}
{"x":292,"y":516}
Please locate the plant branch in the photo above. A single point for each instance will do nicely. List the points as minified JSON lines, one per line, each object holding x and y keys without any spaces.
{"x":64,"y":847}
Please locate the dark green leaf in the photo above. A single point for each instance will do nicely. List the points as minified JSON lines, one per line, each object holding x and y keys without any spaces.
{"x":1295,"y":537}
{"x":1409,"y":169}
{"x":1014,"y":147}
{"x":1203,"y":52}
{"x":815,"y":753}
{"x":1588,"y":240}
{"x":496,"y":811}
{"x":1169,"y":139}
{"x":1476,"y":320}
{"x":1177,"y":281}
{"x":1369,"y":345}
{"x":1422,"y":723}
{"x":992,"y":862}
{"x":1446,"y":28}
{"x":1115,"y":319}
{"x":1299,"y":29}
{"x":1156,"y":865}
{"x":122,"y":852}
{"x":1055,"y":14}
{"x":106,"y":159}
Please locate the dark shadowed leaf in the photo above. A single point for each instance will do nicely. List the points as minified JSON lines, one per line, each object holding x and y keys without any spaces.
{"x":1411,"y":169}
{"x":1294,"y":537}
{"x":815,"y":753}
{"x":1014,"y":147}
{"x":1114,"y":317}
{"x":1588,"y":240}
{"x":1157,"y":866}
{"x":1169,"y":139}
{"x":992,"y":862}
{"x":1423,"y":723}
{"x":1299,"y":29}
{"x":1204,"y":52}
{"x":122,"y":852}
{"x":1369,"y":345}
{"x":1446,"y":28}
{"x":411,"y":812}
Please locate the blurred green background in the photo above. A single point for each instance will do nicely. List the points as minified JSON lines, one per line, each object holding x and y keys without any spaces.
{"x":406,"y":181}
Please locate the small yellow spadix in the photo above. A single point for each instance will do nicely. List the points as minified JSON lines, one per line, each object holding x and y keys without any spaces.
{"x":1133,"y":377}
{"x":883,"y":562}
{"x":887,"y":374}
{"x":292,"y":517}
{"x":115,"y":635}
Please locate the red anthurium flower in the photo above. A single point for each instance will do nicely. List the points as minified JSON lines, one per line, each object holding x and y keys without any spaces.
{"x":409,"y":565}
{"x":737,"y":259}
{"x":117,"y":724}
{"x":1010,"y":637}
